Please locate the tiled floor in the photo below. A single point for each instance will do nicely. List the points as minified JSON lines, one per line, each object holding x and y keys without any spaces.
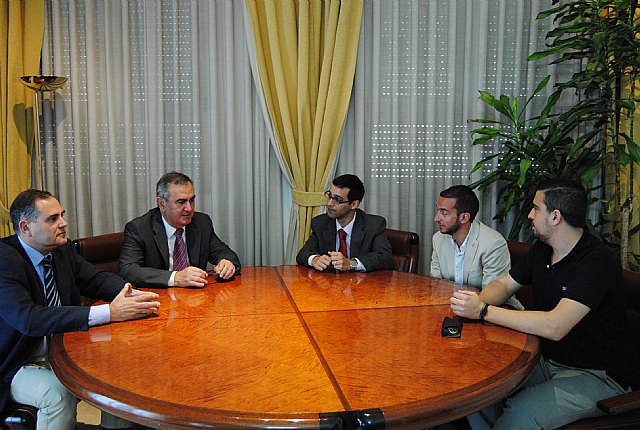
{"x":88,"y":417}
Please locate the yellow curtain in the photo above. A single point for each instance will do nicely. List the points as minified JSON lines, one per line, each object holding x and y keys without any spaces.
{"x":629,"y":179}
{"x":306,"y":53}
{"x":633,"y":184}
{"x":622,"y":182}
{"x":22,"y":30}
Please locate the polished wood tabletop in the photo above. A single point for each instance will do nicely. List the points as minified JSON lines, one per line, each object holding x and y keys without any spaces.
{"x":289,"y":347}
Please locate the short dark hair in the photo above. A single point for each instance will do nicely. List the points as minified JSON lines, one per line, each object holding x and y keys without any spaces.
{"x":355,"y":185}
{"x":466,"y":199}
{"x":567,"y":196}
{"x":24,"y":207}
{"x":162,"y":187}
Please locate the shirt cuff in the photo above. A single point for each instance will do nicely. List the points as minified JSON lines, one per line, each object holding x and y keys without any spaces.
{"x":99,"y":314}
{"x":311,"y":259}
{"x":360,"y":267}
{"x":173,"y":275}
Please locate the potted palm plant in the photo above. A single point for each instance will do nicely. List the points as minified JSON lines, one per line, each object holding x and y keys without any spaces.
{"x":595,"y":141}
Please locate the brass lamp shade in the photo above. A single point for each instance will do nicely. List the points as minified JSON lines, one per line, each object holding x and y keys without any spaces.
{"x":44,"y":83}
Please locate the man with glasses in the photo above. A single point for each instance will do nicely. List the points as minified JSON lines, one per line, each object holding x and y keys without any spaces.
{"x":465,"y":250}
{"x":346,"y":238}
{"x":170,"y":245}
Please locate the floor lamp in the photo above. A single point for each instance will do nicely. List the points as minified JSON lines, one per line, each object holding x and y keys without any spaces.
{"x":41,"y":85}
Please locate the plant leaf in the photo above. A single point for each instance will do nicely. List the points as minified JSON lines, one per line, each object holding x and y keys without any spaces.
{"x":524,"y":168}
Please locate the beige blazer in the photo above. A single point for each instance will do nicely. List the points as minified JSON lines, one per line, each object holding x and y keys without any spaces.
{"x":486,"y":258}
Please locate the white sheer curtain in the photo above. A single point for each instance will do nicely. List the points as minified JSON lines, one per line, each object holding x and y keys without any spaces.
{"x":166,"y":84}
{"x":156,"y":86}
{"x":420,"y":66}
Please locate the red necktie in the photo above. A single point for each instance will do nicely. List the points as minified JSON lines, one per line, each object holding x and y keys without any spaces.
{"x":179,"y":252}
{"x":343,"y":242}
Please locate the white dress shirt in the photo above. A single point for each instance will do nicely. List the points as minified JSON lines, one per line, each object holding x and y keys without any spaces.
{"x":171,"y":241}
{"x":348,"y":229}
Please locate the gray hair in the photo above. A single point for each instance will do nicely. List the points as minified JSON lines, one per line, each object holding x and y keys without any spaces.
{"x":162,"y":187}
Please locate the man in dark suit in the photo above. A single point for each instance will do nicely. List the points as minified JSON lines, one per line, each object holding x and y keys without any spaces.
{"x":41,"y":280}
{"x":346,"y":238}
{"x":170,"y":245}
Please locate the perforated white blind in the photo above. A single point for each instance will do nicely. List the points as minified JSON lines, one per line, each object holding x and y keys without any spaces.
{"x":420,"y":66}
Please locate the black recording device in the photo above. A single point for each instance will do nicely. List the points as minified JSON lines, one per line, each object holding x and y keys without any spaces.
{"x":452,"y":327}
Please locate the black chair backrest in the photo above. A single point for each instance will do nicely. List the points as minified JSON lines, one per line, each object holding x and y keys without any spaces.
{"x":632,"y":293}
{"x":517,"y":250}
{"x":405,"y":246}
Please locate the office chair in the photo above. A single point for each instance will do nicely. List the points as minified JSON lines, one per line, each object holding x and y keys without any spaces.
{"x":103,"y":251}
{"x":405,"y":246}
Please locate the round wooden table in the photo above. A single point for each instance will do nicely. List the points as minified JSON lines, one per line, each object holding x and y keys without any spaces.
{"x":289,"y":347}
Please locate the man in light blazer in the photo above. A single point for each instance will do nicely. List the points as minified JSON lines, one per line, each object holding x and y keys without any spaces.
{"x":365,"y":246}
{"x":147,"y":257}
{"x":465,"y":250}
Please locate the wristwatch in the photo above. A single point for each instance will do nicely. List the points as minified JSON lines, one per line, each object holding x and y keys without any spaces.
{"x":353,"y":264}
{"x":483,"y":312}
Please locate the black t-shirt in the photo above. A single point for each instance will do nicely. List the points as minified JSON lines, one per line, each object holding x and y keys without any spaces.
{"x":590,"y":274}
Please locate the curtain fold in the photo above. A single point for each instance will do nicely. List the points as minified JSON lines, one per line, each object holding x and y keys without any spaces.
{"x":632,"y":178}
{"x":306,"y":55}
{"x":22,"y":27}
{"x":622,"y":190}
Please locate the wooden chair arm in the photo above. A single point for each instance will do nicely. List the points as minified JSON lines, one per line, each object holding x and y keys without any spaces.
{"x":620,"y":404}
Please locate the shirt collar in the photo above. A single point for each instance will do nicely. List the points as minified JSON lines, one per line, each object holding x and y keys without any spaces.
{"x":169,"y":229}
{"x":34,"y":255}
{"x":463,"y":247}
{"x":347,"y":228}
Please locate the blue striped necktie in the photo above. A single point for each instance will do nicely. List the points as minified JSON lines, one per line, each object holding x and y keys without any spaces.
{"x":50,"y":289}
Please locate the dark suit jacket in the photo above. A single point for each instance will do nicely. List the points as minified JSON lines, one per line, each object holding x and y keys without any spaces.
{"x":144,"y":259}
{"x":369,"y":241}
{"x":24,"y":317}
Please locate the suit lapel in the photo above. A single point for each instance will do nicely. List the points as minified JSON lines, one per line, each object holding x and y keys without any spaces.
{"x":160,"y":237}
{"x":471,"y":253}
{"x":329,"y":235}
{"x":39,"y":298}
{"x":357,"y":234}
{"x":193,"y":243}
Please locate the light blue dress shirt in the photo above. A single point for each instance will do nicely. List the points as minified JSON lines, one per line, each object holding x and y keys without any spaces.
{"x":459,"y":251}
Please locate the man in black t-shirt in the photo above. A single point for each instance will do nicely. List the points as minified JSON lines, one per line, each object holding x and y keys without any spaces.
{"x":579,"y":312}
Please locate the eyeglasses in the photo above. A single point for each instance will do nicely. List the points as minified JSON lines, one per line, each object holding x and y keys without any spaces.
{"x":336,"y":199}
